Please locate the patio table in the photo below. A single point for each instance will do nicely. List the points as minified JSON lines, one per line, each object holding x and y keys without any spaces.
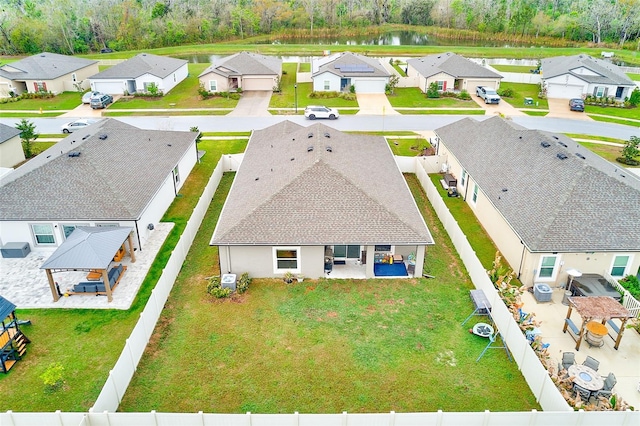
{"x":586,"y":377}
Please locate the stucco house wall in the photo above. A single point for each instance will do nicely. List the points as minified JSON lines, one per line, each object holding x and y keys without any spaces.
{"x":222,"y":82}
{"x":11,"y":152}
{"x":334,"y":82}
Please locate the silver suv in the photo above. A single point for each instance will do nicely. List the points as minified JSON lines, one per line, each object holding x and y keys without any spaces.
{"x":101,"y":101}
{"x":314,"y":111}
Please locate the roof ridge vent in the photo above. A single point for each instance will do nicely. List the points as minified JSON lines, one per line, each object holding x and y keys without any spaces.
{"x":103,"y":137}
{"x":563,"y":144}
{"x":327,"y":135}
{"x":309,"y":135}
{"x":562,"y":156}
{"x":74,"y":154}
{"x":329,"y":149}
{"x":545,"y":144}
{"x":310,"y":148}
{"x":580,"y":156}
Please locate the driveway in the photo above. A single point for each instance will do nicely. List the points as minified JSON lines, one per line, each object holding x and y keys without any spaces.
{"x":559,"y":108}
{"x":503,"y":107}
{"x":252,"y":104}
{"x":374,"y":104}
{"x":85,"y":110}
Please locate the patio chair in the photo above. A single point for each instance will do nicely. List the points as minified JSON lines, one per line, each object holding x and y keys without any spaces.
{"x":568,"y":359}
{"x":584,"y":393}
{"x":609,"y":382}
{"x":592,"y":363}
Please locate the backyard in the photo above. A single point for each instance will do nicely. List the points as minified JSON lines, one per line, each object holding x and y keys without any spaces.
{"x":323,"y":345}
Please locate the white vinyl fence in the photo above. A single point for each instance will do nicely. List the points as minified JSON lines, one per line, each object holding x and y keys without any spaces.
{"x":556,"y":409}
{"x":519,"y":77}
{"x":628,"y":301}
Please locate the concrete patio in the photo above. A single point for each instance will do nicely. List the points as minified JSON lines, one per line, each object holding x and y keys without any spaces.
{"x":24,"y":284}
{"x":624,"y":362}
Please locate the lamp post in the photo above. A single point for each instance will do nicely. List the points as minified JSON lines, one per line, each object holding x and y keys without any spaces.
{"x":295,"y":88}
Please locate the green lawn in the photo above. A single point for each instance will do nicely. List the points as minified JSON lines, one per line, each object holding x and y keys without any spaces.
{"x":442,"y":111}
{"x":634,"y":77}
{"x":184,"y":95}
{"x":61,"y":102}
{"x":514,"y":68}
{"x":88,"y":342}
{"x":536,"y":113}
{"x":412,"y":97}
{"x":304,"y":67}
{"x":633,"y":113}
{"x":521,"y":91}
{"x":595,"y":138}
{"x":607,"y":152}
{"x":323,"y":346}
{"x":407,"y":147}
{"x":400,"y":69}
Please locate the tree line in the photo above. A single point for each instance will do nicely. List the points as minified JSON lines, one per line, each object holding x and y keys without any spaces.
{"x":85,"y":26}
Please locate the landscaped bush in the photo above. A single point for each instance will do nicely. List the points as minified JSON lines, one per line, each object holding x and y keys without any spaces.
{"x":324,"y":95}
{"x":432,"y":91}
{"x":215,"y":289}
{"x":464,"y":95}
{"x":243,"y":283}
{"x":632,"y":285}
{"x":507,"y":92}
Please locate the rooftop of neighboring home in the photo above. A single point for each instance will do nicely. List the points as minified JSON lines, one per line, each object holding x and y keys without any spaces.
{"x":141,"y":64}
{"x":7,"y":132}
{"x":110,"y":170}
{"x":587,"y":68}
{"x":557,"y":195}
{"x":245,"y":63}
{"x":347,"y":64}
{"x":43,"y":66}
{"x":316,"y":185}
{"x":452,"y":64}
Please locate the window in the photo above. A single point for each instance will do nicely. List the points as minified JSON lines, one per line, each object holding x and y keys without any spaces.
{"x":286,"y":259}
{"x":43,"y":234}
{"x":547,"y":266}
{"x":68,"y":228}
{"x":40,"y":86}
{"x":475,"y":193}
{"x":464,"y":178}
{"x":327,"y":85}
{"x":213,"y":86}
{"x":149,"y":86}
{"x":176,"y":175}
{"x":619,"y":266}
{"x":599,"y":91}
{"x":442,"y":85}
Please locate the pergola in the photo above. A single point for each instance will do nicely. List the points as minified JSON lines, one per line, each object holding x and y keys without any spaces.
{"x":597,"y":308}
{"x":89,"y":249}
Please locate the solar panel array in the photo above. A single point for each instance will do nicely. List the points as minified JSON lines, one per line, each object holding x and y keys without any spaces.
{"x":354,"y":68}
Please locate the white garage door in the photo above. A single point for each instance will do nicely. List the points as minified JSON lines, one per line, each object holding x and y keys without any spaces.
{"x":472,"y":84}
{"x":109,"y":87}
{"x":564,"y":91}
{"x":370,"y":86}
{"x":257,"y":83}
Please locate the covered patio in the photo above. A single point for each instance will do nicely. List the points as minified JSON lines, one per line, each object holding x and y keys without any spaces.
{"x":91,"y":249}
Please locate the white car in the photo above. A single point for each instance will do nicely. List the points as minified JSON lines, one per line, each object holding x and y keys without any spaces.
{"x":314,"y":111}
{"x":86,"y":98}
{"x":72,"y":126}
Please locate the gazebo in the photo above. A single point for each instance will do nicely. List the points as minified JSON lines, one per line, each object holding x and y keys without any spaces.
{"x":90,"y":249}
{"x":594,"y":309}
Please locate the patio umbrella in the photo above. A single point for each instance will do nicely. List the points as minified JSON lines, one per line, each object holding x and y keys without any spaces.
{"x":573,"y":273}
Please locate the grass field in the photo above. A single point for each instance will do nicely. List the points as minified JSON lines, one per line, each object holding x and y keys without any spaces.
{"x":633,"y":113}
{"x":412,"y":97}
{"x":323,"y":345}
{"x":521,"y":91}
{"x":607,"y":152}
{"x":62,"y":102}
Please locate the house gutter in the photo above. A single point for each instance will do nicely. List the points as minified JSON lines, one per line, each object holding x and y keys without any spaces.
{"x":521,"y":259}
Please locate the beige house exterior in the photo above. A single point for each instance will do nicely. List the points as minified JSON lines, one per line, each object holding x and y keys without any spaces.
{"x":549,"y":204}
{"x":244,"y":70}
{"x":451,"y":72}
{"x":11,"y":152}
{"x":46,"y":72}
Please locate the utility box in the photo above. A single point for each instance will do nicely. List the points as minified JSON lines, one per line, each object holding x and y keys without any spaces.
{"x":15,"y":250}
{"x":542,"y":292}
{"x":528,"y":101}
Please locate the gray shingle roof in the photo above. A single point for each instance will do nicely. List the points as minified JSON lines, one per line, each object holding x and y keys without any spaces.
{"x":245,"y":63}
{"x":285,"y":194}
{"x":143,"y":63}
{"x":7,"y":132}
{"x":553,"y":204}
{"x":346,"y":61}
{"x":608,"y":73}
{"x":43,"y":66}
{"x":88,"y":248}
{"x":452,"y":64}
{"x":112,"y":179}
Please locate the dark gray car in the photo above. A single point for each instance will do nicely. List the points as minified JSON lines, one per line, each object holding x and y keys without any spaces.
{"x":101,"y":101}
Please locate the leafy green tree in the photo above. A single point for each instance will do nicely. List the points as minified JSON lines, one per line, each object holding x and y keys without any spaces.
{"x":159,"y":10}
{"x":196,"y":129}
{"x":630,"y":151}
{"x":634,"y":99}
{"x":432,"y":91}
{"x":28,"y":135}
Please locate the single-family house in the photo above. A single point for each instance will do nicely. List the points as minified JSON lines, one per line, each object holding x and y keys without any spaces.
{"x":137,"y":74}
{"x":46,"y":72}
{"x":338,"y":72}
{"x":568,"y":77}
{"x":451,"y":72}
{"x":244,"y":70}
{"x":11,"y":152}
{"x":548,"y":203}
{"x":107,"y":174}
{"x":316,"y":201}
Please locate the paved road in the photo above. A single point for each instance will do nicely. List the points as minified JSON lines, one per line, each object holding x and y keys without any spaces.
{"x":348,"y":122}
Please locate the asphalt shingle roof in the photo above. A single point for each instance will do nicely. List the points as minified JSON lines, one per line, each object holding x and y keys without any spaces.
{"x":555,"y":205}
{"x":43,"y":66}
{"x":607,"y":73}
{"x":113,"y":178}
{"x":143,"y":63}
{"x":452,"y":64}
{"x":7,"y":132}
{"x":245,"y":63}
{"x":285,"y":193}
{"x":345,"y":62}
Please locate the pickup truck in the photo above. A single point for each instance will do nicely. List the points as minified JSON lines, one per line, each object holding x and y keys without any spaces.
{"x":488,"y":94}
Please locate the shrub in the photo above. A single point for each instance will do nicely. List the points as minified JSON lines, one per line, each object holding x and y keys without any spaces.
{"x":243,"y":283}
{"x":506,"y":92}
{"x":348,"y":96}
{"x":216,"y":290}
{"x":432,"y":91}
{"x":464,"y":95}
{"x":352,"y":89}
{"x":634,"y":99}
{"x":632,"y":285}
{"x":52,"y":377}
{"x":325,"y":95}
{"x":288,"y":277}
{"x":204,"y":93}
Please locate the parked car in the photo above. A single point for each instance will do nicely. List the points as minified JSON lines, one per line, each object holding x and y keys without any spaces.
{"x":314,"y":111}
{"x":576,"y":105}
{"x":489,"y":95}
{"x":101,"y":101}
{"x":72,"y":126}
{"x":106,"y":50}
{"x":86,"y":98}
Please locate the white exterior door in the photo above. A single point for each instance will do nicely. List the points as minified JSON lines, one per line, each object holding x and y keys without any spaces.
{"x":563,"y":91}
{"x":370,"y":85}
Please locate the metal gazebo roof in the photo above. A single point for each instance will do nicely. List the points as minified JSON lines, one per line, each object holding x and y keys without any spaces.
{"x":88,"y":248}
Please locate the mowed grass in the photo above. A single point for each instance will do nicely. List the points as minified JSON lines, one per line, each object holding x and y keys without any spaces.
{"x":607,"y":152}
{"x":184,"y":95}
{"x":412,"y":97}
{"x":633,"y":113}
{"x":323,"y":346}
{"x":408,"y":147}
{"x":62,"y":102}
{"x":521,"y":91}
{"x":87,"y":342}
